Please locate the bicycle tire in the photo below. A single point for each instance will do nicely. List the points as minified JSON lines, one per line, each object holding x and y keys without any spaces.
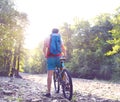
{"x":67,"y":84}
{"x":56,"y":81}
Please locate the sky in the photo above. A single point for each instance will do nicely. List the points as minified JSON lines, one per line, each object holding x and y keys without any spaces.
{"x":43,"y":15}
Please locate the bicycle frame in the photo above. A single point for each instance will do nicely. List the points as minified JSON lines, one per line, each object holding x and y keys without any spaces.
{"x":62,"y":77}
{"x":60,"y":70}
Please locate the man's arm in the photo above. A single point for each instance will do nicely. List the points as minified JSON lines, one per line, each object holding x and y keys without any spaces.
{"x":45,"y":49}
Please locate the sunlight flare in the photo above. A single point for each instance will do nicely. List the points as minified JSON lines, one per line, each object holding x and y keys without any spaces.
{"x":44,"y":15}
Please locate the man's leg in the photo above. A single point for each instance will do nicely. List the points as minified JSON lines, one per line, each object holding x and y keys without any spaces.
{"x":50,"y":65}
{"x":49,"y":80}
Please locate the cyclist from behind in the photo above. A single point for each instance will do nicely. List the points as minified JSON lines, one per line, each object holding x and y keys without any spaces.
{"x":53,"y":49}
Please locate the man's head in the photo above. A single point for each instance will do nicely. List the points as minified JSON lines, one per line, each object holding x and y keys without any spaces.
{"x":55,"y":30}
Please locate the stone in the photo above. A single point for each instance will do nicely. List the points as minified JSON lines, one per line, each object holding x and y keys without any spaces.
{"x":7,"y":92}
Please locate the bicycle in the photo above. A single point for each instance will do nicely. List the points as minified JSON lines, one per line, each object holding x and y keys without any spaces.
{"x":62,"y":77}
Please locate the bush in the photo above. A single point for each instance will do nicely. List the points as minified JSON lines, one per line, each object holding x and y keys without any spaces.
{"x":105,"y":73}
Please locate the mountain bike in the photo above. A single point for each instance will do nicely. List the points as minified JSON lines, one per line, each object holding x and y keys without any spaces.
{"x":62,"y":77}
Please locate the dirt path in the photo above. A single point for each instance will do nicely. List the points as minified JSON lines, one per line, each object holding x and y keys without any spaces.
{"x":31,"y":88}
{"x":101,"y":89}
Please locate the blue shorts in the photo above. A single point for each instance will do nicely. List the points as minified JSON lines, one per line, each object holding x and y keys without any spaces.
{"x":53,"y":62}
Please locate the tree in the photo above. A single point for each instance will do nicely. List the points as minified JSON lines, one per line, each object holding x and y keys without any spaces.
{"x":35,"y":60}
{"x":89,"y":45}
{"x":66,"y":32}
{"x":115,"y":34}
{"x":115,"y":42}
{"x":12,"y":25}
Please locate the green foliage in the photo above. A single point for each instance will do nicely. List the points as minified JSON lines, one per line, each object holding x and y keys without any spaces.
{"x":35,"y":61}
{"x":89,"y":48}
{"x":115,"y":33}
{"x":12,"y":25}
{"x":116,"y":68}
{"x":66,"y":32}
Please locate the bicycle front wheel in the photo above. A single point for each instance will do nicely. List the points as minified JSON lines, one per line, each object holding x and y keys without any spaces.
{"x":56,"y":81}
{"x":67,"y":84}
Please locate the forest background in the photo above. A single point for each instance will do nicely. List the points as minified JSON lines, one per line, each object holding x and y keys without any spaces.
{"x":93,"y":48}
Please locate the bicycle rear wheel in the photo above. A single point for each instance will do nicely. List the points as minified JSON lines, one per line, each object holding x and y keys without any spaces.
{"x":56,"y":81}
{"x":67,"y":84}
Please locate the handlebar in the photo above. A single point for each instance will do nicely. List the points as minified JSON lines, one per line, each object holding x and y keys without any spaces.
{"x":63,"y":58}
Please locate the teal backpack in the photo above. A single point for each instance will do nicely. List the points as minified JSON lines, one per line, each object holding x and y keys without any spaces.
{"x":55,"y":44}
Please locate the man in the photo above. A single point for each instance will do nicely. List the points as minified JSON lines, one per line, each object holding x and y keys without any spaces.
{"x":53,"y":61}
